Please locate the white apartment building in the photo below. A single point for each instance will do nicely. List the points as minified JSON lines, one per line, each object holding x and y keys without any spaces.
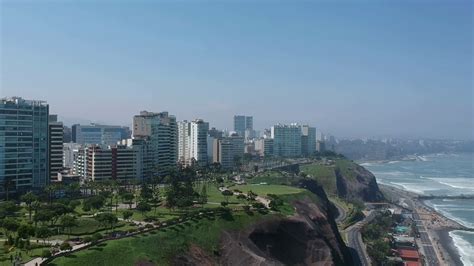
{"x":192,"y":142}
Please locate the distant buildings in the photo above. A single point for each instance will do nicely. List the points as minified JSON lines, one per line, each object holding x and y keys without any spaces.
{"x":98,"y":134}
{"x":264,"y":147}
{"x":228,"y":151}
{"x":156,"y":135}
{"x":70,"y":151}
{"x":55,"y":147}
{"x":242,"y":124}
{"x":24,"y":145}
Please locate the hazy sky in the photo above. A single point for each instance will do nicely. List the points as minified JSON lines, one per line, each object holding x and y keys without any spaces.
{"x":351,"y":68}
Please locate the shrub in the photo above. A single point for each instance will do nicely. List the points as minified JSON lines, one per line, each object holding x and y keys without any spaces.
{"x":148,"y":226}
{"x":258,"y":205}
{"x":46,"y":253}
{"x":96,"y":237}
{"x":65,"y":246}
{"x":87,"y":239}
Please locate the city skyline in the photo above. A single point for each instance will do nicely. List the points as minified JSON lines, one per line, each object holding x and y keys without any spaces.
{"x":376,"y":76}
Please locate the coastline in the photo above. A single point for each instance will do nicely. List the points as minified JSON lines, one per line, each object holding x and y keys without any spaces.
{"x":442,"y":241}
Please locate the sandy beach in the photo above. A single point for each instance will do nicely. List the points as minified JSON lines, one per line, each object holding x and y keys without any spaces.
{"x":437,"y":225}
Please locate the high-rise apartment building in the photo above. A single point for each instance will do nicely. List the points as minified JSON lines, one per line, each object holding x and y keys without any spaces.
{"x":192,"y":142}
{"x":243,"y":123}
{"x":156,"y":134}
{"x":198,"y":141}
{"x":286,"y":140}
{"x":24,"y":148}
{"x":184,"y":135}
{"x":114,"y":162}
{"x":55,"y":147}
{"x":308,"y":140}
{"x":98,"y":134}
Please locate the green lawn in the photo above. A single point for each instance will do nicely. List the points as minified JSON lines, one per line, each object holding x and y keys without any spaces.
{"x":25,"y":257}
{"x":158,"y":247}
{"x":324,"y":174}
{"x":263,"y":190}
{"x":272,"y":177}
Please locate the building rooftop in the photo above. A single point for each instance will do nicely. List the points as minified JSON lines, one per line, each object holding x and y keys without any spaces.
{"x":408,"y":254}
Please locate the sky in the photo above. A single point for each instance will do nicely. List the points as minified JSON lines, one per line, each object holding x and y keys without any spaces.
{"x":350,"y":68}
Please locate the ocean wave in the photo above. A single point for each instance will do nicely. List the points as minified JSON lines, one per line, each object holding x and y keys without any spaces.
{"x":422,"y":158}
{"x":454,"y":182}
{"x":392,"y":162}
{"x":416,"y":188}
{"x":366,"y":164}
{"x":391,"y":173}
{"x":464,"y":247}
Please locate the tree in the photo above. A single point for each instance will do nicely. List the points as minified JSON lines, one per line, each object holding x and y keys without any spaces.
{"x":127,"y":215}
{"x":128,"y":199}
{"x":107,"y":219}
{"x":143,"y":207}
{"x":145,"y":192}
{"x":29,"y":198}
{"x":93,"y":203}
{"x":43,"y":233}
{"x":227,"y":193}
{"x":203,"y":196}
{"x":67,"y":222}
{"x":8,"y":183}
{"x":25,"y":231}
{"x":8,"y":208}
{"x":10,"y":225}
{"x":43,"y":216}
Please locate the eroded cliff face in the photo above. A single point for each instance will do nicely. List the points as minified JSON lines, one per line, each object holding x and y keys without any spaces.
{"x":360,"y":185}
{"x":310,"y":237}
{"x":307,"y":238}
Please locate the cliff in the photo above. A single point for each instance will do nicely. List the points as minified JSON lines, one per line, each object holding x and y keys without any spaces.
{"x":354,"y":182}
{"x":345,"y":179}
{"x":309,"y":237}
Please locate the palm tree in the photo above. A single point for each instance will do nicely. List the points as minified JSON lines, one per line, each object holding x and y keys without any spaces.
{"x":8,"y":183}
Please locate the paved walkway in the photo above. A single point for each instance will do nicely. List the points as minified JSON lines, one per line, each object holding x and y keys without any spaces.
{"x":38,"y":261}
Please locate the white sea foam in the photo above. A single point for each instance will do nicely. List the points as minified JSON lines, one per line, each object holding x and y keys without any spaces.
{"x":464,"y":247}
{"x":422,"y":158}
{"x":413,"y":187}
{"x":455,"y":182}
{"x":392,"y":162}
{"x":367,"y":164}
{"x":391,"y":173}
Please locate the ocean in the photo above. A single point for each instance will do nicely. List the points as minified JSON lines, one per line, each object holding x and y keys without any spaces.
{"x":438,"y":174}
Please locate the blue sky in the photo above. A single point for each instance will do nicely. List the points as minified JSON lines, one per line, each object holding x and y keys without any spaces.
{"x":350,"y":68}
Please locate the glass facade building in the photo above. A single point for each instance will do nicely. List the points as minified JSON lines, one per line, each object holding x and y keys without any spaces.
{"x":24,"y":144}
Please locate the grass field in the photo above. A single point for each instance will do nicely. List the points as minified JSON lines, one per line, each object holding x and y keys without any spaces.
{"x":272,"y":177}
{"x":264,"y":190}
{"x":151,"y":248}
{"x":324,"y":174}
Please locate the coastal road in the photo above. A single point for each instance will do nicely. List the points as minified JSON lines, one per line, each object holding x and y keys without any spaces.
{"x":354,"y":239}
{"x":342,"y":214}
{"x":431,"y":257}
